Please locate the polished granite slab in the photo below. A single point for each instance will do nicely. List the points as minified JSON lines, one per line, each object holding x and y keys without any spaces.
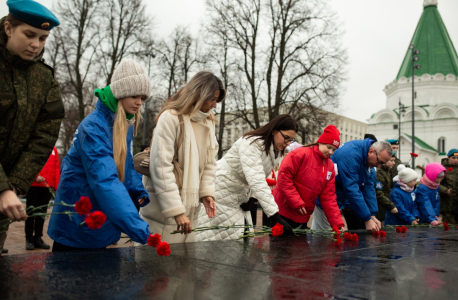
{"x":419,"y":264}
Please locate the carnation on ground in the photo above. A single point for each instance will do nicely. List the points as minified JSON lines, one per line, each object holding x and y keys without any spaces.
{"x":277,"y":230}
{"x":163,"y":249}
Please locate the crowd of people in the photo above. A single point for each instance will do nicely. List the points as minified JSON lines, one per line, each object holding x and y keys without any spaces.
{"x":185,"y":186}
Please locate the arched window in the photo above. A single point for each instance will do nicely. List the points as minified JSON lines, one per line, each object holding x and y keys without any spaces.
{"x":441,"y":145}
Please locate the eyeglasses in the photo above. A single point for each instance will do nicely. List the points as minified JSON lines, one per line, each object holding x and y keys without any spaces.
{"x":378,"y":161}
{"x":287,"y":140}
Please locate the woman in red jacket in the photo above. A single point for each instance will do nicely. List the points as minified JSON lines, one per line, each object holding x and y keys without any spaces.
{"x":306,"y":174}
{"x":39,"y":195}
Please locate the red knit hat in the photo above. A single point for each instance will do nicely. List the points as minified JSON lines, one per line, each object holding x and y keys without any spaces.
{"x":331,"y":136}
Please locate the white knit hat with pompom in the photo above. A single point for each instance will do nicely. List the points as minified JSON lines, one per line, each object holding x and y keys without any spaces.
{"x":406,"y":174}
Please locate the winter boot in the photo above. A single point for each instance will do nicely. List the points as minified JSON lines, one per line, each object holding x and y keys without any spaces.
{"x":29,"y":244}
{"x":40,"y":244}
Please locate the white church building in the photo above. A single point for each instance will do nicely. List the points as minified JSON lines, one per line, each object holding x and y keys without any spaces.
{"x":436,"y":94}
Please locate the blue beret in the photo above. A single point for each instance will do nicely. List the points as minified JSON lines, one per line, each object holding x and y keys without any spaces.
{"x":32,"y":13}
{"x":393,"y":142}
{"x":453,"y":152}
{"x":394,"y":153}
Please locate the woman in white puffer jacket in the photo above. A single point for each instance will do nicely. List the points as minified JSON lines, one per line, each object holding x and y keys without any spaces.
{"x":175,"y":203}
{"x":241,"y":174}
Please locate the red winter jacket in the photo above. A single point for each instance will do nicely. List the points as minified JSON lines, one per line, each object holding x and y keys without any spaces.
{"x":306,"y":174}
{"x":50,"y":172}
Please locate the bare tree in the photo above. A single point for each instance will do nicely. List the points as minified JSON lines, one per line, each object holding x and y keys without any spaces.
{"x":80,"y":42}
{"x":241,"y":19}
{"x":305,"y":60}
{"x":176,"y":57}
{"x":126,"y":26}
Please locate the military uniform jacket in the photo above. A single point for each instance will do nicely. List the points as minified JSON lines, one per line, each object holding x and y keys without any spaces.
{"x":449,"y":204}
{"x":394,"y":171}
{"x":31,"y":110}
{"x":383,"y":190}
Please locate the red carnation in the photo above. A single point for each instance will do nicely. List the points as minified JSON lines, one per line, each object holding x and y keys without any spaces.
{"x":398,"y":229}
{"x":338,"y":241}
{"x":163,"y":249}
{"x":446,"y":227}
{"x":375,"y":233}
{"x":84,"y":206}
{"x":414,"y":154}
{"x":277,"y":230}
{"x":403,"y":229}
{"x":354,"y":237}
{"x":450,"y":169}
{"x":95,"y":220}
{"x":382,"y":233}
{"x":347,"y":236}
{"x":154,"y":240}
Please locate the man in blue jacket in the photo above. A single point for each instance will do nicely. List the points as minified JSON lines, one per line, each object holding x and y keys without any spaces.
{"x":356,"y":161}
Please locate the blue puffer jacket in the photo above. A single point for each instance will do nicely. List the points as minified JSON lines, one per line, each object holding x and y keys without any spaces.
{"x":428,"y":203}
{"x":89,"y":170}
{"x":355,"y":180}
{"x":406,"y":205}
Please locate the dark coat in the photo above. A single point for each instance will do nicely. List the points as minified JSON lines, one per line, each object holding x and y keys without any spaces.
{"x":382,"y":190}
{"x":31,"y":111}
{"x":449,"y":204}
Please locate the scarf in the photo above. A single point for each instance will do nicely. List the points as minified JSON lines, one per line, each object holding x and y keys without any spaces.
{"x":431,"y":184}
{"x":194,"y":158}
{"x":404,"y":187}
{"x":106,"y":96}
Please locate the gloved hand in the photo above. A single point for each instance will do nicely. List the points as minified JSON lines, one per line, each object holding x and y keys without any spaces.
{"x":434,"y":223}
{"x":273,"y":220}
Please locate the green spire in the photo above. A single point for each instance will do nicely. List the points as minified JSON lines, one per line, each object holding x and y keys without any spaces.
{"x":437,"y":53}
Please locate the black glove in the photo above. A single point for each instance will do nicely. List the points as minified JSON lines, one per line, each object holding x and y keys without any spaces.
{"x":273,"y":220}
{"x":249,"y":205}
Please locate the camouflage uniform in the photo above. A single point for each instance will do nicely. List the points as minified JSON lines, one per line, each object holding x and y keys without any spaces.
{"x":394,"y":171}
{"x":383,"y":190}
{"x":449,"y":204}
{"x":31,"y":111}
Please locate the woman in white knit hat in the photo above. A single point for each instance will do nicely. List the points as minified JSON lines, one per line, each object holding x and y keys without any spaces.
{"x":99,"y":166}
{"x":181,"y":181}
{"x":403,"y":197}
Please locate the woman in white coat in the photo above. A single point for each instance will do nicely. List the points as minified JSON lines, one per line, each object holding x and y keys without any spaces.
{"x":241,"y":174}
{"x":175,"y":204}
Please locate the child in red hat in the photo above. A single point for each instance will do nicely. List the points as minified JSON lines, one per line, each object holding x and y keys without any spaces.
{"x":306,"y":174}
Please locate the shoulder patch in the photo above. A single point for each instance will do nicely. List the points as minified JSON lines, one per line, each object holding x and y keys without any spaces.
{"x":378,"y":185}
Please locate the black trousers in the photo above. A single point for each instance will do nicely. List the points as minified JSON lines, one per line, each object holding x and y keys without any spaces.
{"x":293,"y":224}
{"x":353,"y":222}
{"x":37,"y":196}
{"x":57,"y":247}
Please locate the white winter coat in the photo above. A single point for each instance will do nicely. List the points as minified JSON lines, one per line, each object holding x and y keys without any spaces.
{"x":162,"y":188}
{"x":249,"y":160}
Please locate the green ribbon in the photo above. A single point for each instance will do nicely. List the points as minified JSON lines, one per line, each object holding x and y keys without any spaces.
{"x":106,"y":96}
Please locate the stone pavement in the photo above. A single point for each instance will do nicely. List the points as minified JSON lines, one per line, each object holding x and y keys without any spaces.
{"x":419,"y":264}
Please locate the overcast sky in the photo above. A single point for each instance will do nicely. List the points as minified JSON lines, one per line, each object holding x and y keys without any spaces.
{"x":377,"y":35}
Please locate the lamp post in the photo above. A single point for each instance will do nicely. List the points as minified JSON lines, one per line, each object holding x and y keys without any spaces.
{"x":402,"y":111}
{"x":149,"y":54}
{"x":414,"y":66}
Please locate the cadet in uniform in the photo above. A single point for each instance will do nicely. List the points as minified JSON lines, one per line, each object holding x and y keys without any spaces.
{"x":449,"y":187}
{"x":31,"y":105}
{"x":394,"y":170}
{"x":383,"y":189}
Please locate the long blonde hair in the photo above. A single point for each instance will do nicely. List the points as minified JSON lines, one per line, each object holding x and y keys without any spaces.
{"x":120,"y":129}
{"x":190,"y":98}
